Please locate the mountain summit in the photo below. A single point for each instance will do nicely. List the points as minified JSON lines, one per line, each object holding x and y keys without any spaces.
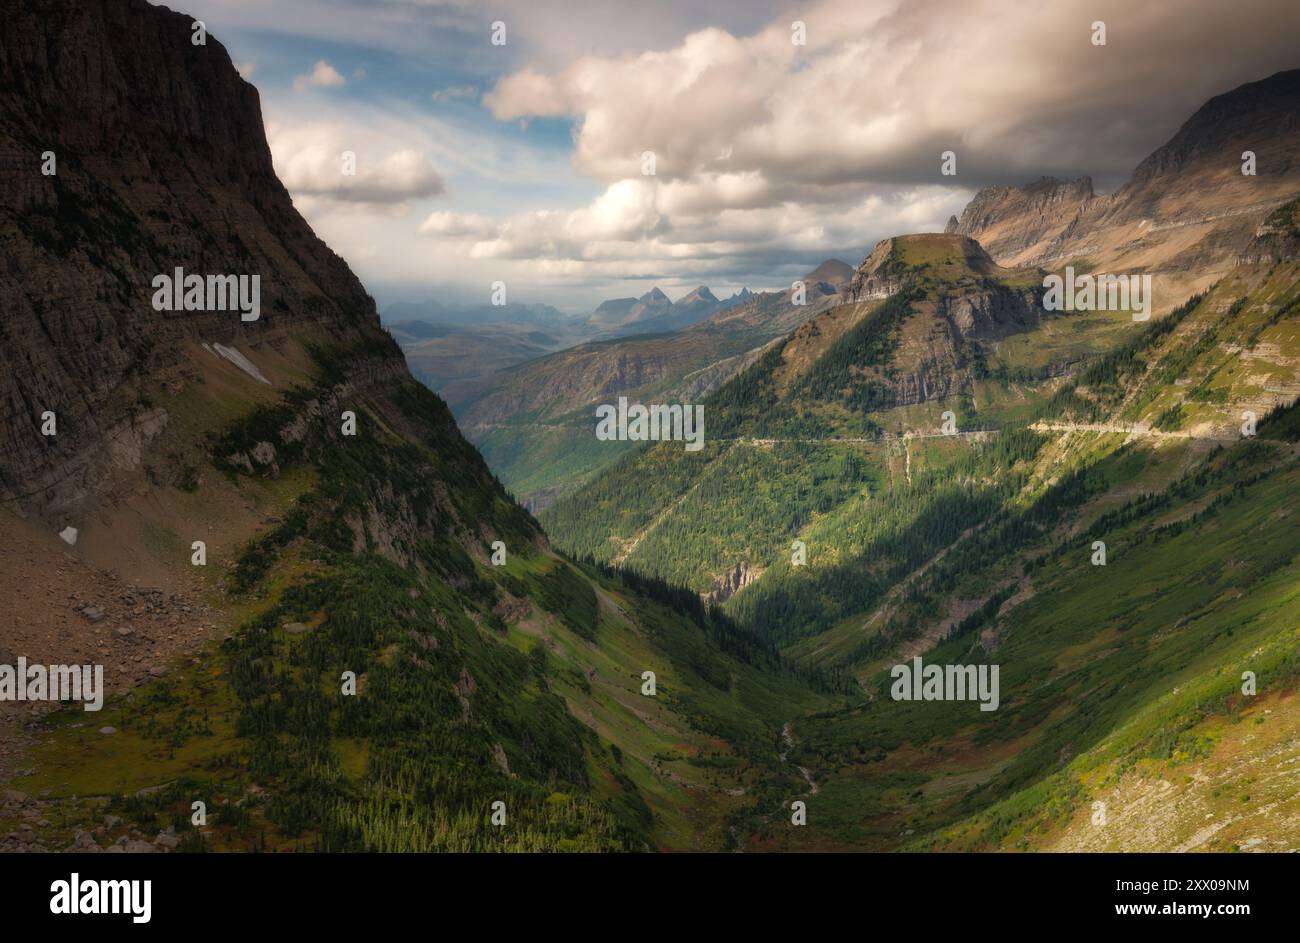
{"x":1189,"y":211}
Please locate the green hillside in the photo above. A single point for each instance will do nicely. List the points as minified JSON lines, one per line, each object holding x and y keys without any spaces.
{"x":475,"y":683}
{"x":534,"y":421}
{"x":977,"y":548}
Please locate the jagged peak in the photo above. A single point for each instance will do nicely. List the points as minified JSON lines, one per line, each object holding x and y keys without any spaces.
{"x":999,"y":200}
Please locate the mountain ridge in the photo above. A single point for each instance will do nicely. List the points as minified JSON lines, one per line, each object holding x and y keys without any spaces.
{"x":1187,"y":211}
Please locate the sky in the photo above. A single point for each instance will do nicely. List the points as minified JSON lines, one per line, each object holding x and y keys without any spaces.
{"x":781,"y":134}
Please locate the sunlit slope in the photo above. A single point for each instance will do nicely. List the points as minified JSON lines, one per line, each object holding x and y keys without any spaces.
{"x":847,"y":409}
{"x":1113,"y":678}
{"x":1121,"y":683}
{"x":876,"y":494}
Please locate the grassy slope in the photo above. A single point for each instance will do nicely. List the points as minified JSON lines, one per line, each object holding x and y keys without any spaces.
{"x":476,"y":683}
{"x":1136,"y":685}
{"x":1133,"y":698}
{"x":1135,"y":690}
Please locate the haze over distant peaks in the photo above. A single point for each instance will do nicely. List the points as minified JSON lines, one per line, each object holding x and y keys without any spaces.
{"x":437,"y":312}
{"x":653,"y":311}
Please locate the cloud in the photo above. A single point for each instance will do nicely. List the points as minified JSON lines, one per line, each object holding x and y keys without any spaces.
{"x":322,"y":75}
{"x":769,"y":156}
{"x":882,"y":88}
{"x":311,"y":159}
{"x":631,"y":224}
{"x":457,"y":225}
{"x":246,"y":70}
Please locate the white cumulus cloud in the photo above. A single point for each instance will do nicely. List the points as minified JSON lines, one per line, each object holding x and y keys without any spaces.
{"x":311,"y":159}
{"x":322,"y":75}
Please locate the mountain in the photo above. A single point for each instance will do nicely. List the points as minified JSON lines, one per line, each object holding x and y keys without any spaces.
{"x":620,"y":313}
{"x":439,"y":355}
{"x":1187,"y":214}
{"x":108,"y":221}
{"x":943,"y":322}
{"x":534,"y":421}
{"x":832,"y":272}
{"x":699,"y":298}
{"x":1014,"y":223}
{"x":613,"y":311}
{"x":650,"y":305}
{"x":923,"y":322}
{"x":936,"y":466}
{"x":448,"y":344}
{"x":695,"y":306}
{"x":318,"y":611}
{"x":736,"y":298}
{"x":653,"y":312}
{"x":372,"y":647}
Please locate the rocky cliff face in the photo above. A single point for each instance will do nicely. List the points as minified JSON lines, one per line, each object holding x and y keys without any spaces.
{"x":941,"y":344}
{"x":732,"y":581}
{"x":955,"y":301}
{"x":1007,"y":221}
{"x":1188,"y":207}
{"x":159,"y":161}
{"x":878,"y":277}
{"x":1277,"y":239}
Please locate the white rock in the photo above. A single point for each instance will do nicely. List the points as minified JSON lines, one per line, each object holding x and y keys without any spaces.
{"x":69,"y":535}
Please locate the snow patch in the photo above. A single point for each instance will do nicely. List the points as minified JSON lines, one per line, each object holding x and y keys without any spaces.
{"x":239,"y":360}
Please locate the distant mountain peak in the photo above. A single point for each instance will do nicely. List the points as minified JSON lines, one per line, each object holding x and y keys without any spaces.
{"x":619,"y":306}
{"x":700,"y":294}
{"x":833,"y":272}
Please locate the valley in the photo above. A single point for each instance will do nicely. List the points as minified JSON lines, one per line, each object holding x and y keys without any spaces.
{"x":362,"y":583}
{"x":345,"y":668}
{"x":952,"y":545}
{"x":533,"y":421}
